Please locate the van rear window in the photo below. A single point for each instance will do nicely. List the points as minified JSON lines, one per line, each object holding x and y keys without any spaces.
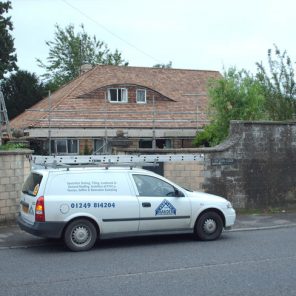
{"x":32,"y":184}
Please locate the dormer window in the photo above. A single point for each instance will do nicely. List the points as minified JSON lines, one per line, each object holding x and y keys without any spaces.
{"x":117,"y":95}
{"x":141,"y":96}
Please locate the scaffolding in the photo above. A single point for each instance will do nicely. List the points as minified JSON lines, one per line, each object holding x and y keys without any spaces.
{"x":4,"y":121}
{"x":152,"y":118}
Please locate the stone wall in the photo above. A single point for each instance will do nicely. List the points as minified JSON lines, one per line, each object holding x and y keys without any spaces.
{"x":187,"y":175}
{"x":14,"y":168}
{"x":256,"y":166}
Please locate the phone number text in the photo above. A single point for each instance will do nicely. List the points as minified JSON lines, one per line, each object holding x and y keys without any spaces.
{"x":88,"y":205}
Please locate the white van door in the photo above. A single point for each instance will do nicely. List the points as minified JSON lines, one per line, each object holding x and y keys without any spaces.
{"x":30,"y":193}
{"x":104,"y":195}
{"x":162,"y":208}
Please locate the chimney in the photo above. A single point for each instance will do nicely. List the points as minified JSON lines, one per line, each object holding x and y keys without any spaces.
{"x":85,"y":68}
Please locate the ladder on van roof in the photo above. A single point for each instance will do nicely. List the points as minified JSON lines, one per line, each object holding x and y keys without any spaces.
{"x":114,"y":159}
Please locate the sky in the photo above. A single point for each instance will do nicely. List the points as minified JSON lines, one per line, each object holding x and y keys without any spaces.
{"x":193,"y":34}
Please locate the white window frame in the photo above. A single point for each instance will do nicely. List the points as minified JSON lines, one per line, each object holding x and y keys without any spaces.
{"x":55,"y":144}
{"x":145,"y":98}
{"x":124,"y":98}
{"x":103,"y":147}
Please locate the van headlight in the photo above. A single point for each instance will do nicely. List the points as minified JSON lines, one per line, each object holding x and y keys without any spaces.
{"x":229,"y":205}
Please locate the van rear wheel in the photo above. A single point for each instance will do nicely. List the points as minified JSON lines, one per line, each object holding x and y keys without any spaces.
{"x":80,"y":235}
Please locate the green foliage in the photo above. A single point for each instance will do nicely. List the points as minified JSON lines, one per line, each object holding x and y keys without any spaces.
{"x":7,"y":56}
{"x":10,"y":146}
{"x":69,"y":51}
{"x":21,"y":90}
{"x":279,"y":85}
{"x":236,"y":96}
{"x":164,"y":66}
{"x":210,"y":136}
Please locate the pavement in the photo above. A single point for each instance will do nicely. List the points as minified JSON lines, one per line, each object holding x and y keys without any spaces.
{"x":12,"y":237}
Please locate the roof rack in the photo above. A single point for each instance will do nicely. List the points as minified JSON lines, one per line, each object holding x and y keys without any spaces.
{"x":107,"y":165}
{"x":118,"y":160}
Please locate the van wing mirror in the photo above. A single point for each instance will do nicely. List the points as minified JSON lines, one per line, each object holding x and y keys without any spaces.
{"x":178,"y":193}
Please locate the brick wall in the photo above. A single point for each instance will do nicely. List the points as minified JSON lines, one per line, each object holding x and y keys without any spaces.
{"x":14,"y":168}
{"x":86,"y":144}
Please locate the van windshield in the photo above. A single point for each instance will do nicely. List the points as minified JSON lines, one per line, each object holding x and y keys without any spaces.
{"x":32,"y":184}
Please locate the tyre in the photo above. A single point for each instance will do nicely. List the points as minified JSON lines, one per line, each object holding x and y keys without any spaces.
{"x":209,"y":226}
{"x":80,"y":235}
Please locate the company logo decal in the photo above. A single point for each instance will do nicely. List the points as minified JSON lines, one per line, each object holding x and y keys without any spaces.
{"x":31,"y":212}
{"x":165,"y":208}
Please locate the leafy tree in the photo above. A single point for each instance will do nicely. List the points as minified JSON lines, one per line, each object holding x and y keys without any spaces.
{"x":236,"y":96}
{"x":279,"y":85}
{"x":7,"y":56}
{"x":164,"y":66}
{"x":21,"y":90}
{"x":69,"y":51}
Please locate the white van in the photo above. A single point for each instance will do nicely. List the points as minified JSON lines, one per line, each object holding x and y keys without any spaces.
{"x":82,"y":204}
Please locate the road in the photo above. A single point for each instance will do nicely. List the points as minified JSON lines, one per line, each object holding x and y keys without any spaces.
{"x":240,"y":263}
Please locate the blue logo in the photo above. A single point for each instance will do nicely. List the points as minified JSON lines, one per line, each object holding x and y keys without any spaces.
{"x":165,"y":208}
{"x":31,"y":212}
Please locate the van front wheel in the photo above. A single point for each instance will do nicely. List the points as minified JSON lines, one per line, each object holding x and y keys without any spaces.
{"x":209,"y":226}
{"x":80,"y":235}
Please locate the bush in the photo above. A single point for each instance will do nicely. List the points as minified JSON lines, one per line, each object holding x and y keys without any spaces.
{"x":10,"y":146}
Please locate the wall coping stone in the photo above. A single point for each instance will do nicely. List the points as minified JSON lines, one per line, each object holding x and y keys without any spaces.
{"x":16,"y":152}
{"x":263,"y":122}
{"x":233,"y":138}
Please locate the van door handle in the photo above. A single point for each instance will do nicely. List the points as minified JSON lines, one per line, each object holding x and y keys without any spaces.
{"x":146,"y":204}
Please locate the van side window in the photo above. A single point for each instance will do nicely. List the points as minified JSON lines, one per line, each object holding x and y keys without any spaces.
{"x":151,"y":186}
{"x":32,"y":184}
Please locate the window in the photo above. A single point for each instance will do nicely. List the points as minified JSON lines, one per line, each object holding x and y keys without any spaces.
{"x":101,"y":147}
{"x":141,"y":96}
{"x":117,"y":95}
{"x":151,"y":186}
{"x":143,"y":143}
{"x":32,"y":184}
{"x":64,"y":146}
{"x":160,"y":143}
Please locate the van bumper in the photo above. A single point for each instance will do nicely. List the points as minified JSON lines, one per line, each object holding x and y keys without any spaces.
{"x":43,"y":229}
{"x":230,"y":217}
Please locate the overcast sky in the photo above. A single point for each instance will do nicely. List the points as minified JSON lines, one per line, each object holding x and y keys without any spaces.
{"x":193,"y":34}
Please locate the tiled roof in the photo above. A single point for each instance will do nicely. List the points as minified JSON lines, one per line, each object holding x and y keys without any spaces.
{"x":179,"y":94}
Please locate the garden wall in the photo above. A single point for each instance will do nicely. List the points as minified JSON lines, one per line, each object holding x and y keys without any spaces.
{"x":254,"y":168}
{"x":14,"y":168}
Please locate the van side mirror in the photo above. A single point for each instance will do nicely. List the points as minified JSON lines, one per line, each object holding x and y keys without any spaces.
{"x":178,"y":193}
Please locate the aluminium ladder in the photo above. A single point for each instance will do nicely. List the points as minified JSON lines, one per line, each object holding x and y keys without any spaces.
{"x":114,"y":159}
{"x":4,"y":121}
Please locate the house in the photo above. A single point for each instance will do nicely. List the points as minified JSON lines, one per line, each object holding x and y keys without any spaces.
{"x":117,"y":106}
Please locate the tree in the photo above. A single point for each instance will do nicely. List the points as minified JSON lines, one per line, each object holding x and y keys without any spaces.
{"x":236,"y":96}
{"x":164,"y":66}
{"x":279,"y":86}
{"x":69,"y":51}
{"x":7,"y":56}
{"x":21,"y":90}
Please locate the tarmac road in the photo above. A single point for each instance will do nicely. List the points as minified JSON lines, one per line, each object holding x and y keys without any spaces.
{"x":248,"y":263}
{"x":12,"y":237}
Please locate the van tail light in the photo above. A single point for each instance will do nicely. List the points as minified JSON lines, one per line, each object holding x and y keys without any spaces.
{"x":40,"y":210}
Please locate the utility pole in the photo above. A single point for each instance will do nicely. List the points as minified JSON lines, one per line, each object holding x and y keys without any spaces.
{"x":49,"y":123}
{"x":153,"y":126}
